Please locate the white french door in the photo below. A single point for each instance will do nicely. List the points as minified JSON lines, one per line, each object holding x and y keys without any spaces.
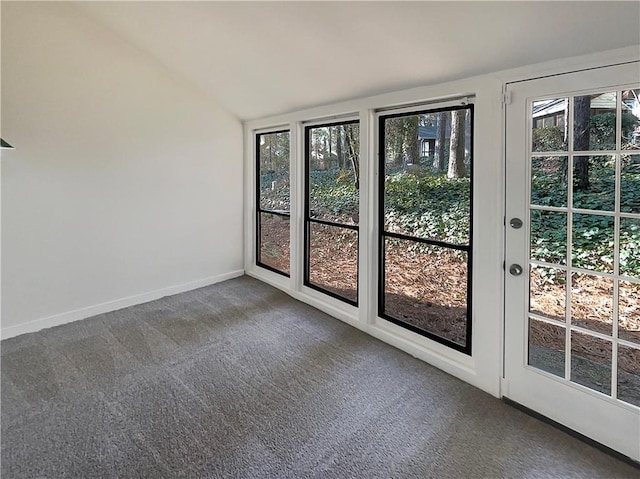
{"x":572,"y":331}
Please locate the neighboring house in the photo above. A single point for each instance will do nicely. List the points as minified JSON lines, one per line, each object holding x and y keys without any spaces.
{"x":428,"y":135}
{"x":554,"y":112}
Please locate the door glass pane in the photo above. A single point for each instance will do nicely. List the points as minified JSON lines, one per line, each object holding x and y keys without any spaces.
{"x":549,"y":236}
{"x":629,"y":311}
{"x":333,"y":259}
{"x":426,"y":286}
{"x":592,"y":302}
{"x":548,"y":292}
{"x":591,"y":361}
{"x":597,"y":290}
{"x":548,"y":181}
{"x":630,"y":247}
{"x":594,"y":122}
{"x":630,"y":119}
{"x":334,"y":172}
{"x":274,"y":171}
{"x":592,"y":245}
{"x":630,"y":184}
{"x":274,"y":241}
{"x":594,"y":182}
{"x":629,"y":375}
{"x":549,"y":125}
{"x":546,"y":346}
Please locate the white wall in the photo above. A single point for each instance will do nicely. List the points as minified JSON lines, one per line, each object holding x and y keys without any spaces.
{"x":125,"y":184}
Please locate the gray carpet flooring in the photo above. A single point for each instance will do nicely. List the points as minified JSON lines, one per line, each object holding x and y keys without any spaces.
{"x":239,"y":380}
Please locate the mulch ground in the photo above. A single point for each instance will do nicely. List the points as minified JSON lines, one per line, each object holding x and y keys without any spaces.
{"x":592,"y":309}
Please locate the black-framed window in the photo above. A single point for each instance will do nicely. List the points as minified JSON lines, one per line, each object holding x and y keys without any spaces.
{"x":332,"y":183}
{"x":273,"y":201}
{"x":425,"y":223}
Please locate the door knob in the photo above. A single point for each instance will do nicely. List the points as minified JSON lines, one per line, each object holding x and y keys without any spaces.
{"x":516,"y":223}
{"x":515,"y":269}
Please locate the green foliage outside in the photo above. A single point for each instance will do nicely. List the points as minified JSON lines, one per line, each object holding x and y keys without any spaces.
{"x":548,"y":138}
{"x":427,"y":206}
{"x":430,"y":206}
{"x":333,"y":192}
{"x":425,"y":203}
{"x":593,"y":235}
{"x":602,"y":133}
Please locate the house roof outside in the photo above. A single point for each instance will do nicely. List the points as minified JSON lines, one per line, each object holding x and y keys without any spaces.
{"x":605,"y":101}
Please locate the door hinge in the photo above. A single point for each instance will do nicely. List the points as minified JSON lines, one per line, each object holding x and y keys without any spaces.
{"x":506,"y":98}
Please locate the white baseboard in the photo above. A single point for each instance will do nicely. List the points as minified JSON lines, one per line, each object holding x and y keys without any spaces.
{"x":89,"y":311}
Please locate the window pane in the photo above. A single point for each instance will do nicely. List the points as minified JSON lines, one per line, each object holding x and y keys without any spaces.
{"x":273,"y":163}
{"x":274,"y":241}
{"x":630,"y":184}
{"x":428,"y":196}
{"x":548,"y":181}
{"x":548,"y":292}
{"x":594,"y":182}
{"x":549,"y":125}
{"x":629,"y":375}
{"x":630,"y":247}
{"x":592,"y":245}
{"x":426,"y":286}
{"x":629,"y":311}
{"x":594,"y":122}
{"x":334,"y":165}
{"x":333,"y":260}
{"x":426,"y":165}
{"x":591,"y":362}
{"x":592,"y":302}
{"x":549,"y":236}
{"x":546,"y":346}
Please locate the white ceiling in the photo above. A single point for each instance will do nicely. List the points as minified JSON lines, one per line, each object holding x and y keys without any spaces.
{"x":264,"y":58}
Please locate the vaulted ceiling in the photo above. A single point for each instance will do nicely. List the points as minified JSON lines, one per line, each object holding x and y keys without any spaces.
{"x":264,"y":58}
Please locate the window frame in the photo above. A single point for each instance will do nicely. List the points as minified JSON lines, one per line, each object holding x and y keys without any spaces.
{"x":308,"y":219}
{"x":260,"y":210}
{"x":383,"y":234}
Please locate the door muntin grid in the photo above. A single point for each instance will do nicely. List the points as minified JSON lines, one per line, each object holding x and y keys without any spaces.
{"x":583,"y":320}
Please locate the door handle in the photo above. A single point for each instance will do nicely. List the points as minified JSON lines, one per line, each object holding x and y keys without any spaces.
{"x":515,"y":269}
{"x":515,"y":223}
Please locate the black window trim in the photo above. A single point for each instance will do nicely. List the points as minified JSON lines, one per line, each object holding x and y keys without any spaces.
{"x":308,"y":219}
{"x":260,"y":210}
{"x":383,"y":234}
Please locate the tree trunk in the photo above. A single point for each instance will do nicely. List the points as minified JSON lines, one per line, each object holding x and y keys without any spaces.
{"x":410,"y":146}
{"x":439,"y":159}
{"x":581,"y":117}
{"x":339,"y":153}
{"x":325,"y":155}
{"x":353,"y":154}
{"x":456,"y":145}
